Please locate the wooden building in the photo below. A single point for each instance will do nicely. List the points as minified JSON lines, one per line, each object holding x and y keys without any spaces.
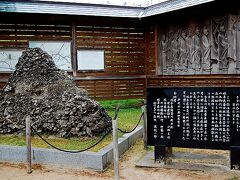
{"x":115,"y":52}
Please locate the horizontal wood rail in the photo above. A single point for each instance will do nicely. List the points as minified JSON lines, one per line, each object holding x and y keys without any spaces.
{"x":197,"y":80}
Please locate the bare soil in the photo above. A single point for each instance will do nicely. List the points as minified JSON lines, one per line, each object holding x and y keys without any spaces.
{"x":128,"y":171}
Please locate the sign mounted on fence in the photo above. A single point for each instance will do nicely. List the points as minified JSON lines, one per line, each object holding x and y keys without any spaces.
{"x":195,"y":117}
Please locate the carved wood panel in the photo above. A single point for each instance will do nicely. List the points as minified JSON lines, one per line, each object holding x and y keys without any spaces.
{"x":200,"y":47}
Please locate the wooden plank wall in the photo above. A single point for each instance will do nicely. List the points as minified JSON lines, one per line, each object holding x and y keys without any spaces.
{"x":16,"y":31}
{"x":123,"y":44}
{"x":17,"y":35}
{"x":122,"y":40}
{"x":114,"y":88}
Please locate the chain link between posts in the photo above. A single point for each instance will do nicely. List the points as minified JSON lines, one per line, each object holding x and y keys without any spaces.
{"x":82,"y":150}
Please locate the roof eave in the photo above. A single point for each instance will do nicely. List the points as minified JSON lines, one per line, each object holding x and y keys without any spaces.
{"x":43,"y":7}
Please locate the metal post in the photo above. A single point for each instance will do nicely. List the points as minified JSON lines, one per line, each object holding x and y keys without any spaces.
{"x":144,"y":110}
{"x":28,"y":143}
{"x":115,"y":145}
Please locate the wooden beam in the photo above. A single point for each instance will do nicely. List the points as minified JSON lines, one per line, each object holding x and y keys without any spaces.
{"x":87,"y":78}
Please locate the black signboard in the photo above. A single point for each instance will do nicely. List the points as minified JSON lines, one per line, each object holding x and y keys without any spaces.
{"x":194,"y":117}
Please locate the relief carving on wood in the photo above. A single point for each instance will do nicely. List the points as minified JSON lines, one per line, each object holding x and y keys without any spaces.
{"x":164,"y":52}
{"x":208,"y":47}
{"x":238,"y":44}
{"x":220,"y":43}
{"x":205,"y":49}
{"x":196,"y":50}
{"x":182,"y":51}
{"x":189,"y":49}
{"x":232,"y":42}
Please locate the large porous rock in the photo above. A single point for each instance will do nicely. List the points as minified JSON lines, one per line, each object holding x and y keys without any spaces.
{"x":56,"y":105}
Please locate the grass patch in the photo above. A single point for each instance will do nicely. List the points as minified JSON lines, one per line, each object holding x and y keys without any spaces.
{"x":70,"y":144}
{"x":127,"y":119}
{"x":124,"y":104}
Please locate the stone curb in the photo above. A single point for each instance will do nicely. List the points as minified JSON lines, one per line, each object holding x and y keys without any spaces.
{"x":84,"y":160}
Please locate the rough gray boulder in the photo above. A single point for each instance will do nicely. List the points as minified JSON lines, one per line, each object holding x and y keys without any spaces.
{"x":56,"y":105}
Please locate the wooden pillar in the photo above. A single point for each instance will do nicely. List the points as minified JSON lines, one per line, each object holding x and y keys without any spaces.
{"x":156,"y":49}
{"x":73,"y":49}
{"x":147,"y":56}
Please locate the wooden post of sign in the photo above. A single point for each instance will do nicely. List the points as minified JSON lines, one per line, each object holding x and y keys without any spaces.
{"x":115,"y":145}
{"x":144,"y":111}
{"x":28,"y":143}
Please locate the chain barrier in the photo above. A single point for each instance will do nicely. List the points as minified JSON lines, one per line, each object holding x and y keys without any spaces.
{"x":69,"y":151}
{"x":123,"y":131}
{"x":78,"y":151}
